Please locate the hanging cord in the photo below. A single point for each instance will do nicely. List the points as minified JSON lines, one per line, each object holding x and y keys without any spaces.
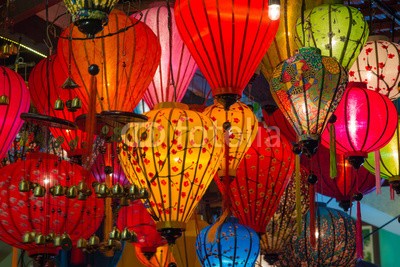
{"x":170,"y":49}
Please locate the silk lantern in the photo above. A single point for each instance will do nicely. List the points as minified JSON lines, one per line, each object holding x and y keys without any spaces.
{"x":226,"y":41}
{"x":176,"y":67}
{"x":365,"y":122}
{"x":307,"y":88}
{"x":378,"y":65}
{"x":14,"y":100}
{"x":278,"y":119}
{"x":339,"y":31}
{"x":175,"y":155}
{"x":127,"y":61}
{"x":163,"y":257}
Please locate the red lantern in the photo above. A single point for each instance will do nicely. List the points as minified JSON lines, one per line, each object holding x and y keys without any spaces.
{"x":261,"y":179}
{"x":14,"y":100}
{"x":176,"y":67}
{"x":227,"y":39}
{"x":35,"y":222}
{"x":276,"y":118}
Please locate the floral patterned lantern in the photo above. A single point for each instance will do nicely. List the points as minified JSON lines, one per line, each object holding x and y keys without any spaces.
{"x":378,"y":65}
{"x":234,"y":245}
{"x":226,"y":43}
{"x":42,"y":221}
{"x":175,"y":155}
{"x":307,"y":88}
{"x":14,"y":100}
{"x":339,"y":31}
{"x":176,"y":67}
{"x":163,"y":257}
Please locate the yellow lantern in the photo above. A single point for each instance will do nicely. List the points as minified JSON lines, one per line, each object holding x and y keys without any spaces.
{"x":174,"y":155}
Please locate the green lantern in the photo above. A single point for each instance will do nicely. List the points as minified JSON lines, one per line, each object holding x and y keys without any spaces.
{"x":339,"y":31}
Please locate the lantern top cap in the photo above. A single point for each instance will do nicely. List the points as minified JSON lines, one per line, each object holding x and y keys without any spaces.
{"x":171,"y":105}
{"x":357,"y":84}
{"x":310,"y":49}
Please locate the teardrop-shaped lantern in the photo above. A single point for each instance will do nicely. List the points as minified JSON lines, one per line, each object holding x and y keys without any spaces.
{"x":227,"y":40}
{"x":163,"y":257}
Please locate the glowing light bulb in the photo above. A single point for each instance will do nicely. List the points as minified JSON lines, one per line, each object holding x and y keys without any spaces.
{"x":274,"y":11}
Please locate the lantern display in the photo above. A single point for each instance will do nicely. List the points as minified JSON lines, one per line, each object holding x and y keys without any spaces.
{"x":233,"y":245}
{"x":163,"y":257}
{"x":261,"y":179}
{"x":14,"y":100}
{"x":307,"y":88}
{"x":226,"y":43}
{"x":339,"y":31}
{"x":176,"y":67}
{"x":378,"y":66}
{"x":126,"y":62}
{"x":284,"y":223}
{"x":175,"y":155}
{"x":362,"y":128}
{"x":55,"y":214}
{"x":239,"y":125}
{"x":277,"y":119}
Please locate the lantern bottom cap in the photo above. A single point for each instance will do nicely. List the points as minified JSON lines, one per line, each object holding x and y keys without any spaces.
{"x":171,"y":230}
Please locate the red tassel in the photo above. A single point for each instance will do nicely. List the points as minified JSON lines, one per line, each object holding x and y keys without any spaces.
{"x":378,"y":172}
{"x":391,"y":192}
{"x":359,"y":237}
{"x":312,"y":215}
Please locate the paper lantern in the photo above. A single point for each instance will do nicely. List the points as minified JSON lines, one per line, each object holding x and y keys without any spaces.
{"x":277,"y":119}
{"x":176,"y":67}
{"x":378,"y":65}
{"x":37,"y":223}
{"x":339,"y":31}
{"x":307,"y":88}
{"x":175,"y":155}
{"x":163,"y":257}
{"x":14,"y":100}
{"x":225,"y":41}
{"x":126,"y":60}
{"x":233,"y":245}
{"x":362,"y":128}
{"x":261,"y":179}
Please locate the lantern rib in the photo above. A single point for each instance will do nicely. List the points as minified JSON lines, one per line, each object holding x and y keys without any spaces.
{"x":222,"y":65}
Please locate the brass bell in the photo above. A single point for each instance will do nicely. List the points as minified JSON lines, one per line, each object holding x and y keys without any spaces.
{"x":117,"y":190}
{"x":4,"y":100}
{"x":115,"y":234}
{"x":57,"y":241}
{"x":28,"y":237}
{"x":76,"y":103}
{"x":123,"y":201}
{"x":50,"y":238}
{"x":40,"y":239}
{"x":83,"y":187}
{"x":82,"y":196}
{"x":103,"y":190}
{"x":24,"y":186}
{"x":66,"y":242}
{"x":59,"y":104}
{"x":69,"y":84}
{"x":81,"y":243}
{"x":39,"y":191}
{"x":126,"y":234}
{"x":68,"y":103}
{"x":94,"y":240}
{"x":143,"y":193}
{"x":133,"y":191}
{"x":57,"y":190}
{"x":72,"y":192}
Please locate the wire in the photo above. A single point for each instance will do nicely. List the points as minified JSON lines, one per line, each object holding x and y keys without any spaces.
{"x":382,"y":226}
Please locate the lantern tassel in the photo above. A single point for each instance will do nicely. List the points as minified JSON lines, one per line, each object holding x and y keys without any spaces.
{"x":108,"y":220}
{"x":378,"y":172}
{"x":298,"y":194}
{"x":14,"y":262}
{"x":391,"y":192}
{"x":312,"y":215}
{"x":332,"y":151}
{"x":90,"y":122}
{"x":359,"y":237}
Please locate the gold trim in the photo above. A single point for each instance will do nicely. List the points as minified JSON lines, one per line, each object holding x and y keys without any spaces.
{"x":171,"y":224}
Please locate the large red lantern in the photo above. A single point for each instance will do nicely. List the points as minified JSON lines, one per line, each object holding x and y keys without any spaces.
{"x":176,"y":67}
{"x":227,"y":39}
{"x":276,"y":118}
{"x":14,"y":100}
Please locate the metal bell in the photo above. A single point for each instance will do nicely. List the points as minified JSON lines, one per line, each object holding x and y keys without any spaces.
{"x":143,"y":193}
{"x":94,"y":240}
{"x":115,"y":234}
{"x":59,"y":104}
{"x":66,"y":242}
{"x":39,"y":191}
{"x":57,"y":241}
{"x":50,"y":238}
{"x":24,"y":186}
{"x":76,"y":103}
{"x":126,"y":234}
{"x":123,"y":201}
{"x":72,"y":192}
{"x":103,"y":190}
{"x":57,"y":190}
{"x":69,"y":84}
{"x":83,"y":187}
{"x":117,"y":190}
{"x":68,"y":103}
{"x":81,"y":243}
{"x":28,"y":237}
{"x":4,"y":100}
{"x":40,"y":239}
{"x":82,"y":196}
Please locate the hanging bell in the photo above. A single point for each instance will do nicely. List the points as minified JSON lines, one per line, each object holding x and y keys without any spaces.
{"x":133,"y":191}
{"x":72,"y":192}
{"x":82,"y":196}
{"x":117,"y":190}
{"x":76,"y":103}
{"x":126,"y":234}
{"x":68,"y":103}
{"x":50,"y":238}
{"x":83,"y":187}
{"x":40,"y":239}
{"x":57,"y":241}
{"x":28,"y":237}
{"x":59,"y":104}
{"x":115,"y":234}
{"x":143,"y":193}
{"x":39,"y":191}
{"x":4,"y":100}
{"x":124,"y":202}
{"x":94,"y":241}
{"x":24,"y":186}
{"x":82,"y":243}
{"x":103,"y":190}
{"x":69,"y":84}
{"x":66,"y":242}
{"x":57,"y":190}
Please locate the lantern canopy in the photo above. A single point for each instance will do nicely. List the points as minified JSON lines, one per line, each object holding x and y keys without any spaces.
{"x":307,"y":88}
{"x":378,"y":65}
{"x":163,"y":257}
{"x":339,"y":31}
{"x":227,"y":40}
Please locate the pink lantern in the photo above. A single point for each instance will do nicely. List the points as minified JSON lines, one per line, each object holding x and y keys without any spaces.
{"x":177,"y":67}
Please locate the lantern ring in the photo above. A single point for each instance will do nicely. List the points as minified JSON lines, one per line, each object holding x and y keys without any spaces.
{"x":170,"y":224}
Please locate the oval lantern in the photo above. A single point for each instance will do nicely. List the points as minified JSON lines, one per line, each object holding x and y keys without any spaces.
{"x":126,"y":62}
{"x":177,"y":66}
{"x":174,"y":155}
{"x":307,"y":88}
{"x":14,"y":100}
{"x":47,"y":219}
{"x":361,"y":129}
{"x":339,"y":31}
{"x":163,"y":257}
{"x":378,"y":65}
{"x":225,"y":41}
{"x":277,"y":119}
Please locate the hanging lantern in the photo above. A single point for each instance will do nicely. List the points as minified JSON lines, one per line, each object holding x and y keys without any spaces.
{"x":126,"y":62}
{"x":49,"y":217}
{"x":307,"y":88}
{"x":339,"y":31}
{"x":176,"y":67}
{"x":163,"y":257}
{"x":14,"y":100}
{"x":226,"y":43}
{"x":361,"y":129}
{"x":90,"y":16}
{"x":279,"y":120}
{"x":234,"y":245}
{"x":261,"y":179}
{"x":175,"y":156}
{"x":378,"y":65}
{"x":284,"y":223}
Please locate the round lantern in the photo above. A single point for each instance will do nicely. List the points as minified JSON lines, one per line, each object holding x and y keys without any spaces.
{"x":49,"y":217}
{"x":365,"y":122}
{"x":163,"y":257}
{"x":126,"y":62}
{"x":14,"y":100}
{"x":226,"y":43}
{"x":276,"y":118}
{"x":307,"y":88}
{"x":175,"y":155}
{"x":176,"y":67}
{"x":233,"y":245}
{"x":378,"y":65}
{"x":261,"y":179}
{"x":339,"y":31}
{"x":335,"y":243}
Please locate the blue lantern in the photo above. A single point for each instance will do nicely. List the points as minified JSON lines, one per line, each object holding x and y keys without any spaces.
{"x":233,"y":245}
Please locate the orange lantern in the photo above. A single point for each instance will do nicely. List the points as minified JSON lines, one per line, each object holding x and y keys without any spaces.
{"x":162,"y":258}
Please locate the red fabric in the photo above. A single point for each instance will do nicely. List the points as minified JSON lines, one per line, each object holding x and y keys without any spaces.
{"x":278,"y":119}
{"x":359,"y":234}
{"x":227,"y":39}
